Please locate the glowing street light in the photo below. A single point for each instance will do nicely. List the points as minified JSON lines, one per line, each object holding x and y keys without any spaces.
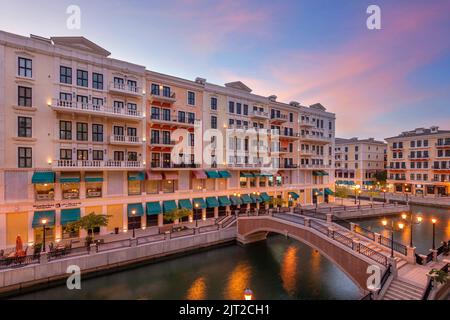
{"x":400,"y":226}
{"x":248,"y":294}
{"x":434,"y":220}
{"x":44,"y":222}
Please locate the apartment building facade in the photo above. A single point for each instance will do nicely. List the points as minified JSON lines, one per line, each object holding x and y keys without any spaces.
{"x":357,"y":161}
{"x":81,"y":132}
{"x":419,"y":162}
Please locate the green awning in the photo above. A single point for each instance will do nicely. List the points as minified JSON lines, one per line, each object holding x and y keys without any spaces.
{"x":351,"y":183}
{"x":329,"y":192}
{"x":247,"y":175}
{"x":185,"y":204}
{"x":255,"y":198}
{"x":169,"y":206}
{"x":137,"y":208}
{"x":211,"y":202}
{"x":246,"y":199}
{"x":317,"y":173}
{"x":264,"y":174}
{"x":224,"y":201}
{"x":70,"y":215}
{"x":368,"y":183}
{"x":136,"y":176}
{"x":324,"y":173}
{"x":153,"y":208}
{"x":318,"y":192}
{"x":235,"y":200}
{"x":93,"y":177}
{"x":43,"y":177}
{"x":199,"y":203}
{"x":265,"y":197}
{"x":224,"y":174}
{"x":39,"y":215}
{"x":212,"y":174}
{"x":294,"y":195}
{"x":70,"y":178}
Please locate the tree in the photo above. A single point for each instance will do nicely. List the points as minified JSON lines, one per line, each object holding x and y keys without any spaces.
{"x":381,"y":178}
{"x":177,"y":214}
{"x":342,"y":193}
{"x":277,"y":202}
{"x":89,"y":223}
{"x":440,"y":276}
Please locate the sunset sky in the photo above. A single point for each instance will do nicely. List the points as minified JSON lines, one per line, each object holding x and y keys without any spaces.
{"x":378,"y":82}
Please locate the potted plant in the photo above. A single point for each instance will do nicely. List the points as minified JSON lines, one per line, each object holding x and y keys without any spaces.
{"x":277,"y":203}
{"x":89,"y":223}
{"x":177,"y":214}
{"x":341,"y":192}
{"x":439,"y":276}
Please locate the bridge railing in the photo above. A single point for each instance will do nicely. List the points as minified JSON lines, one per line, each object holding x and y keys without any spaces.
{"x":319,"y":227}
{"x":342,"y":222}
{"x":365,"y":232}
{"x":339,"y":237}
{"x":372,"y":254}
{"x":398,"y":247}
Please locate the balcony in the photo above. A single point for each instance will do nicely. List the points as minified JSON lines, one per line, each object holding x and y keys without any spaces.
{"x":279,"y":150}
{"x":97,"y":165}
{"x":162,"y":143}
{"x":419,"y":158}
{"x":168,"y":97}
{"x":125,"y":140}
{"x":307,"y":123}
{"x":278,"y":118}
{"x":440,"y":168}
{"x":256,"y":114}
{"x":314,"y":166}
{"x":174,"y":123}
{"x":169,"y":165}
{"x":91,"y":109}
{"x":126,"y":89}
{"x":315,"y":138}
{"x":308,"y":153}
{"x":443,"y":145}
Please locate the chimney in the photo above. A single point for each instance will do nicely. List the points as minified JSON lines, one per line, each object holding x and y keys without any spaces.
{"x":201,"y":81}
{"x":272,"y":98}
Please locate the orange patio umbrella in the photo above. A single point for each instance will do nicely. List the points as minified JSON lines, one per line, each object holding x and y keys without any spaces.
{"x":19,"y":246}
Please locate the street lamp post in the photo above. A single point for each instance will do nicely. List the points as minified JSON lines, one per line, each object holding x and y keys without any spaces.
{"x":133,"y":213}
{"x":434,"y":233}
{"x":44,"y":222}
{"x":359,"y":197}
{"x":392,"y":229}
{"x":248,"y":294}
{"x":384,"y":195}
{"x":196,"y":214}
{"x":411,"y":225}
{"x":317,"y":199}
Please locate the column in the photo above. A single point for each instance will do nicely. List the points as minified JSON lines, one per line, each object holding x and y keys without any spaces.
{"x":30,"y":227}
{"x":125,"y":217}
{"x":160,"y":220}
{"x":3,"y":230}
{"x":82,"y":190}
{"x":203,"y":214}
{"x":104,"y":230}
{"x":216,"y":212}
{"x":144,"y":217}
{"x":58,"y":227}
{"x":83,"y":233}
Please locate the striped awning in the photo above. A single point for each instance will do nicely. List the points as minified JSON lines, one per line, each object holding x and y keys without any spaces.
{"x":70,"y":215}
{"x":153,"y":208}
{"x":185,"y":204}
{"x":40,"y":215}
{"x":224,"y":201}
{"x":43,"y":177}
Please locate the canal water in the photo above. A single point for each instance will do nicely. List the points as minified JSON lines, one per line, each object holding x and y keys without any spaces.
{"x":278,"y":268}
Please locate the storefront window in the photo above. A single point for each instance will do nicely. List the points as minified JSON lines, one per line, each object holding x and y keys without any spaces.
{"x":70,"y":190}
{"x":252,"y":182}
{"x":134,"y":187}
{"x":68,"y":233}
{"x":94,"y":190}
{"x":279,"y":181}
{"x":168,"y":186}
{"x":45,"y":191}
{"x":151,"y":186}
{"x":262,"y":181}
{"x":243,"y":182}
{"x":270,"y":181}
{"x":49,"y":235}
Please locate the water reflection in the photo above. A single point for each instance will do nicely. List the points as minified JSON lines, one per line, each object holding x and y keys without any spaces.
{"x":238,"y":281}
{"x":197,"y":291}
{"x":289,"y":272}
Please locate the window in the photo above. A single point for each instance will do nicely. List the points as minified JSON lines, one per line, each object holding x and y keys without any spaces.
{"x":191,"y":98}
{"x":24,"y":127}
{"x":83,"y":100}
{"x":181,"y":116}
{"x":118,"y":131}
{"x":155,"y":113}
{"x":291,"y":117}
{"x":25,"y":67}
{"x":97,"y":132}
{"x":82,"y":155}
{"x":119,"y":156}
{"x":166,"y":91}
{"x":24,"y":97}
{"x":97,"y":155}
{"x":82,"y":131}
{"x":245,"y":109}
{"x":65,"y":154}
{"x":132,"y":108}
{"x":25,"y":157}
{"x":65,"y":75}
{"x":65,"y":130}
{"x":238,"y":108}
{"x":132,"y":156}
{"x":191,"y":139}
{"x":131,"y":132}
{"x":82,"y":78}
{"x":213,"y":103}
{"x":132,"y":85}
{"x":97,"y":102}
{"x":97,"y":81}
{"x":213,"y":122}
{"x":231,"y":107}
{"x":191,"y":117}
{"x":118,"y":83}
{"x":70,"y":190}
{"x":65,"y":97}
{"x":155,"y":89}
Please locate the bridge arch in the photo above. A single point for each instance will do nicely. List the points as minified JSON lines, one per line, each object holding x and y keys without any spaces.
{"x":251,"y":229}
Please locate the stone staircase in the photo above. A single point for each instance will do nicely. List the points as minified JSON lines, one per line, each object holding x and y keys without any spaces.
{"x":400,"y":290}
